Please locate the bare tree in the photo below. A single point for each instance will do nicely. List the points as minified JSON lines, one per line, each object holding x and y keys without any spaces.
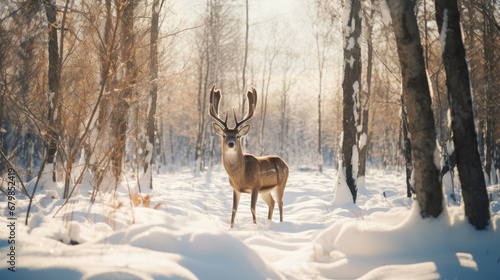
{"x":153,"y":94}
{"x":462,"y":116}
{"x":322,"y":29}
{"x":215,"y":44}
{"x":245,"y":57}
{"x":406,"y":146}
{"x":287,"y":81}
{"x":200,"y":104}
{"x":26,"y":74}
{"x":53,"y":93}
{"x":363,"y":140}
{"x":491,"y":31}
{"x":104,"y":58}
{"x":351,"y":28}
{"x":124,"y":99}
{"x":420,"y":117}
{"x":3,"y":94}
{"x":270,"y":54}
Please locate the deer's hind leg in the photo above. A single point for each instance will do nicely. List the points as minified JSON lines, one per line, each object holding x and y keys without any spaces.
{"x":279,"y":198}
{"x":253,"y":203}
{"x":279,"y":191}
{"x":267,"y":197}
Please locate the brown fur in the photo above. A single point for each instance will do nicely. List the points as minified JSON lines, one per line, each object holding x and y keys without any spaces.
{"x":254,"y":175}
{"x":247,"y":173}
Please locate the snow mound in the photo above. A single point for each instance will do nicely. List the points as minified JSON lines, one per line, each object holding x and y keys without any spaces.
{"x":323,"y":236}
{"x":439,"y":248}
{"x":178,"y":249}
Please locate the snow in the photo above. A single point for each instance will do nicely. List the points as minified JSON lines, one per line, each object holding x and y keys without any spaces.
{"x":450,"y":147}
{"x":355,"y":100}
{"x":355,"y":161}
{"x":351,"y":61}
{"x":155,"y":9}
{"x":350,"y":43}
{"x":343,"y":195}
{"x":341,"y":139}
{"x":346,"y":12}
{"x":362,"y":140}
{"x":323,"y":235}
{"x":386,"y":13}
{"x":437,"y":156}
{"x":448,"y":117}
{"x":46,"y":181}
{"x":145,"y":176}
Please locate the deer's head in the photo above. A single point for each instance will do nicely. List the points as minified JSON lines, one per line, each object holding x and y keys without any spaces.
{"x":231,"y":137}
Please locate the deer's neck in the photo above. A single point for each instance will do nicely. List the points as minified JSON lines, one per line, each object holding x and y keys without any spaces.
{"x":234,"y":161}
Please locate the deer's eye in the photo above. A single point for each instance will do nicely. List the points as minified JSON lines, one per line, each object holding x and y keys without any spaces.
{"x":223,"y":136}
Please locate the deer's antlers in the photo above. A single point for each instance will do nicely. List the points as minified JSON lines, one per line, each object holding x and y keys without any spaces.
{"x":252,"y":104}
{"x":215,"y":97}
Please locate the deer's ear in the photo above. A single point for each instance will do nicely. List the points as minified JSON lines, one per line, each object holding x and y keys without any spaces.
{"x":218,"y":129}
{"x":243,"y":131}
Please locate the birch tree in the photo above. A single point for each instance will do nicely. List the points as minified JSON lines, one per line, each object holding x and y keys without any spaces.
{"x":351,"y":28}
{"x":420,"y":116}
{"x":53,"y":93}
{"x":462,"y":116}
{"x":363,"y":140}
{"x":153,"y":96}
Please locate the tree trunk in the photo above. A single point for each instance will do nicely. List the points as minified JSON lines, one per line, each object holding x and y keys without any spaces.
{"x":103,"y":59}
{"x":247,"y":26}
{"x":286,"y":83}
{"x":407,"y":148}
{"x":261,"y":133}
{"x":420,"y":116}
{"x":202,"y":85}
{"x":264,"y":101}
{"x":23,"y":80}
{"x":462,"y":118}
{"x":69,"y":163}
{"x":350,"y":86}
{"x":53,"y":82}
{"x":122,"y":104}
{"x":489,"y":80}
{"x":153,"y":95}
{"x":3,"y":94}
{"x":363,"y":140}
{"x":320,"y":151}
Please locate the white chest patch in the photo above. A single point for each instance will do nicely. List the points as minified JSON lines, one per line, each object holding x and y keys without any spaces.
{"x":231,"y":157}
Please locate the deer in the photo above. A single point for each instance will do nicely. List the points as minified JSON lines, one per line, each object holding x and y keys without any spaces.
{"x":248,"y":173}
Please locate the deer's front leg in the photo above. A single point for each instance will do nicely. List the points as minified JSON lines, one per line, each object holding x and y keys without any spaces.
{"x":253,"y":202}
{"x":236,"y":201}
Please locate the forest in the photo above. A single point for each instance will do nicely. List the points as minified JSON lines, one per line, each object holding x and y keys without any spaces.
{"x":104,"y":103}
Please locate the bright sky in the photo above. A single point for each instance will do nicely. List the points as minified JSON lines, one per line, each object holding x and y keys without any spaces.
{"x":290,"y":19}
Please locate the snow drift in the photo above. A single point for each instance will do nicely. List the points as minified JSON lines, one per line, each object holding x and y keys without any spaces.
{"x":188,"y":235}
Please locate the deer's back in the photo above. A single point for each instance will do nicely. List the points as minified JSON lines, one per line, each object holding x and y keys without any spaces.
{"x":266,"y":171}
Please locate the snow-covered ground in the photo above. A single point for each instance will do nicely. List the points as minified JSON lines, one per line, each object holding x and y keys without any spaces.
{"x":188,"y":235}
